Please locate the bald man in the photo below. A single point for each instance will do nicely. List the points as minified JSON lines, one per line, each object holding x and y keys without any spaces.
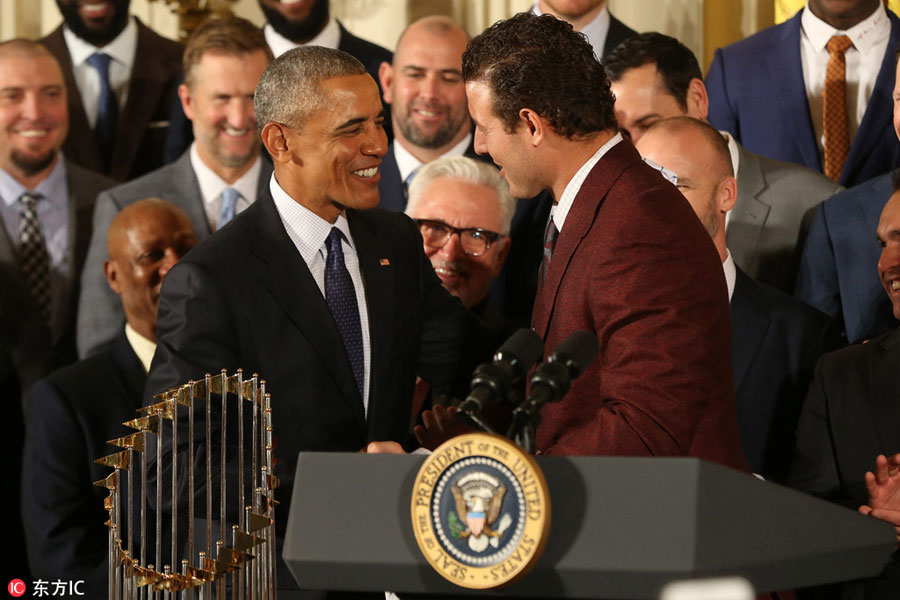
{"x":74,"y":411}
{"x":775,"y":338}
{"x":430,"y":119}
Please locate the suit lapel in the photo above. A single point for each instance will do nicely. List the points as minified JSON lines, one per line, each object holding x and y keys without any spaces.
{"x":748,"y":217}
{"x":292,"y":285}
{"x":786,"y":72}
{"x":879,"y":110}
{"x":578,"y":222}
{"x":80,"y":145}
{"x":883,"y":370}
{"x":749,"y":328}
{"x":128,"y":372}
{"x":378,"y":279}
{"x":390,"y":187}
{"x":148,"y":81}
{"x":187,"y":186}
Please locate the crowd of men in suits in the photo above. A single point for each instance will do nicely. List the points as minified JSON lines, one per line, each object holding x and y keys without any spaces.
{"x":301,"y":203}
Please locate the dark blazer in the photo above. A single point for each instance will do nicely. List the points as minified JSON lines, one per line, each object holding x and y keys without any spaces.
{"x":776,"y":341}
{"x":34,"y":351}
{"x":100,"y":314}
{"x":181,"y":132}
{"x":839,"y":267}
{"x":143,"y":122}
{"x":756,"y":93}
{"x":245,"y":299}
{"x":851,"y":416}
{"x":618,"y":33}
{"x":73,"y":413}
{"x":634,"y":266}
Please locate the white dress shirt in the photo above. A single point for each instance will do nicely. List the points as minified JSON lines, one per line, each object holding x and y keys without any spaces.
{"x":309,"y":231}
{"x":730,"y":273}
{"x":329,"y":37}
{"x":407,"y":163}
{"x":53,"y":214}
{"x":122,"y":51}
{"x":212,"y":186}
{"x":870,"y":39}
{"x":735,"y":163}
{"x":595,"y":31}
{"x":143,"y":348}
{"x":564,"y":204}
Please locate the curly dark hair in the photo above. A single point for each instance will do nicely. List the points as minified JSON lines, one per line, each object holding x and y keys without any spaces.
{"x":541,"y":63}
{"x":674,"y":61}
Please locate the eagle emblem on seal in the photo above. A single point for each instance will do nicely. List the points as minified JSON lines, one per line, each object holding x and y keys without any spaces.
{"x":478,"y":498}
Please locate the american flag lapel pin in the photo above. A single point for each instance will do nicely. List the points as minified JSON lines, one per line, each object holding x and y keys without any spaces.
{"x":384,"y":262}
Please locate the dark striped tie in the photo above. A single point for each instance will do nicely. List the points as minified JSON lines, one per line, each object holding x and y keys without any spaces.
{"x":34,"y":261}
{"x":341,"y":297}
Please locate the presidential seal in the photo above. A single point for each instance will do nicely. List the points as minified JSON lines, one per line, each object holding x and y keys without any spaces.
{"x":480,"y":511}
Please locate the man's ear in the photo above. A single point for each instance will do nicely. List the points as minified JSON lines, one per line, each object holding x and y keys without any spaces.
{"x":111,"y":270}
{"x":726,"y":195}
{"x":534,"y":124}
{"x":276,"y":140}
{"x":386,"y":77}
{"x":696,"y":99}
{"x":184,"y":94}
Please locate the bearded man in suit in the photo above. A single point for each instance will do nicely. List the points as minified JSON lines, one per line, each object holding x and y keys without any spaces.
{"x":330,"y":300}
{"x":631,"y":264}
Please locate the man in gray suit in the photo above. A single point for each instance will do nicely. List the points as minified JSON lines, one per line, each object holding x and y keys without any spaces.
{"x":655,"y":77}
{"x":45,"y":211}
{"x":220,"y":175}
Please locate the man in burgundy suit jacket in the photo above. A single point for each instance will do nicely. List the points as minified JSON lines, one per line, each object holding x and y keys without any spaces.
{"x":631,"y":264}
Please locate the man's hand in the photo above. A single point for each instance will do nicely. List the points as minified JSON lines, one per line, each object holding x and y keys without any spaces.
{"x":439,"y":425}
{"x":383,"y":448}
{"x":884,"y":491}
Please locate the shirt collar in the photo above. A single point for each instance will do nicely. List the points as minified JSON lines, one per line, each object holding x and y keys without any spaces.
{"x":306,"y":229}
{"x":52,"y":188}
{"x":212,"y":186}
{"x":407,"y":163}
{"x":329,"y":37}
{"x":122,"y":49}
{"x":730,"y":273}
{"x":574,"y":186}
{"x":733,"y":151}
{"x":864,"y":35}
{"x":142,"y":347}
{"x":595,"y":31}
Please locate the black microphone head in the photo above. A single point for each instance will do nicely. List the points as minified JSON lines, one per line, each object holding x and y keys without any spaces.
{"x":576,"y":351}
{"x":521,"y":351}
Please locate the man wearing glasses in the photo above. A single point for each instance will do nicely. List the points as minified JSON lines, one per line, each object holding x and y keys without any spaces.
{"x":464,"y":209}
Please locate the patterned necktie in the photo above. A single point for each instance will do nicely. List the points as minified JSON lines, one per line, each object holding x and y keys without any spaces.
{"x":226,"y":211}
{"x":107,"y":106}
{"x":550,"y":236}
{"x":837,"y":137}
{"x":34,"y":261}
{"x":341,"y":297}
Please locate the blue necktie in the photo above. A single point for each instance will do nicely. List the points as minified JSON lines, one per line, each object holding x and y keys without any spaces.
{"x":341,"y":297}
{"x":107,"y":106}
{"x":408,"y":181}
{"x":226,"y":211}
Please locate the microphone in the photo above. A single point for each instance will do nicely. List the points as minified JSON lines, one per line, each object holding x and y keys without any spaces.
{"x":492,"y":382}
{"x":552,"y":379}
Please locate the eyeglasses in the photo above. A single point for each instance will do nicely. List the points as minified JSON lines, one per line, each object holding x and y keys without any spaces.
{"x":474,"y":241}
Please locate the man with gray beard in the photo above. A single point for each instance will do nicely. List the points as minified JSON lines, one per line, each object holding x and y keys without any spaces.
{"x":425,"y":89}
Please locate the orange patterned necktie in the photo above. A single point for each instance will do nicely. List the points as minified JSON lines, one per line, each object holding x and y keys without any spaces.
{"x":837,"y":137}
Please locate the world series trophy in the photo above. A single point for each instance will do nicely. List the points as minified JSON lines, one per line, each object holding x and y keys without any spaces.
{"x":234,"y":553}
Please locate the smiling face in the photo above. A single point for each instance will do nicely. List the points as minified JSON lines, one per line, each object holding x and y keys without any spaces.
{"x":642,"y":100}
{"x":33,"y":114}
{"x":509,"y":151}
{"x":463,"y":204}
{"x":219,"y":102}
{"x":424,"y":86}
{"x":889,"y":262}
{"x":97,"y":22}
{"x":333,"y":159}
{"x":144,"y":241}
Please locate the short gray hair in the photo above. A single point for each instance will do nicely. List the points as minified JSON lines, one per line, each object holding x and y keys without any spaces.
{"x":289,"y":90}
{"x":465,"y":169}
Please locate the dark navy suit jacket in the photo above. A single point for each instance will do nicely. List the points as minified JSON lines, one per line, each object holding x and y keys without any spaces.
{"x":839,"y":268}
{"x":756,"y":93}
{"x":72,"y":414}
{"x":776,"y":341}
